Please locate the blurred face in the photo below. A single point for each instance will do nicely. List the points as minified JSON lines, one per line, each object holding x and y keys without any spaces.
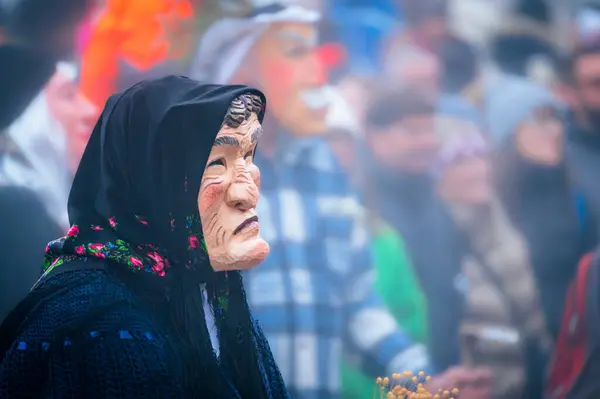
{"x":410,"y":145}
{"x":74,"y":112}
{"x":421,"y":72}
{"x":539,"y":139}
{"x":292,"y":77}
{"x":466,"y":181}
{"x":586,"y":73}
{"x":227,"y":199}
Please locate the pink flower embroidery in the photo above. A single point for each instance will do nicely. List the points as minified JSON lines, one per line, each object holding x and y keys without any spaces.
{"x":112,"y":222}
{"x":80,"y":250}
{"x":47,"y":248}
{"x":159,"y":263}
{"x":97,"y":228}
{"x":96,"y":247}
{"x":158,"y":267}
{"x":136,"y":262}
{"x":194,"y":242}
{"x":73,"y":231}
{"x":100,"y":255}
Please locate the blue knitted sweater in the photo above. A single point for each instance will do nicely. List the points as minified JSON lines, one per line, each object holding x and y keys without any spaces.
{"x":88,"y":336}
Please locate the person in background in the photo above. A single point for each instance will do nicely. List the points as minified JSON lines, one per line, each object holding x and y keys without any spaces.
{"x":395,"y":279}
{"x":314,"y":292}
{"x":74,"y":111}
{"x":503,"y":326}
{"x":49,"y":140}
{"x":531,"y":178}
{"x":401,"y":151}
{"x":583,"y":126}
{"x":46,"y":144}
{"x":34,"y":36}
{"x":401,"y":148}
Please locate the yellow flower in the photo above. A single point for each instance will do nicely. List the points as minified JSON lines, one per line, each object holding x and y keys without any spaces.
{"x":407,"y":385}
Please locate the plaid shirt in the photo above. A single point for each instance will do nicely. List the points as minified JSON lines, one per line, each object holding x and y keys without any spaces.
{"x":313,"y":294}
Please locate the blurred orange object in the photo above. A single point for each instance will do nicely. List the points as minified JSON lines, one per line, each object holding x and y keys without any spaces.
{"x":137,"y":31}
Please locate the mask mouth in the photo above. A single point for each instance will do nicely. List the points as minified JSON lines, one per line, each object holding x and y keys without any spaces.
{"x":245,"y":223}
{"x":317,"y":98}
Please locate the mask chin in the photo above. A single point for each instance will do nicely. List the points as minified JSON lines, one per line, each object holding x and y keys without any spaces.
{"x":239,"y":255}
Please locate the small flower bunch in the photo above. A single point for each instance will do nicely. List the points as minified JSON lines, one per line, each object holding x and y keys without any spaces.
{"x":409,"y":386}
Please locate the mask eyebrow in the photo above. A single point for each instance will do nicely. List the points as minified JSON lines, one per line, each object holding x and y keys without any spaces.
{"x":256,"y":134}
{"x":226,"y":140}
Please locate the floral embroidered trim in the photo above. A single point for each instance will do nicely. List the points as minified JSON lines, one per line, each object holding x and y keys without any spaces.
{"x":144,"y":257}
{"x":193,"y":242}
{"x":73,"y":231}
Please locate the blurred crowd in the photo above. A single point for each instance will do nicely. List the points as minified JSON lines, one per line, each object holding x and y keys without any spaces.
{"x":428,"y":170}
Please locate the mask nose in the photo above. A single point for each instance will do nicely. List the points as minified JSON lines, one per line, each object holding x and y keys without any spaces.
{"x":242,"y":194}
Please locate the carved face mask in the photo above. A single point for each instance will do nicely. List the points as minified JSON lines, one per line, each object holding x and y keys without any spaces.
{"x":229,"y":193}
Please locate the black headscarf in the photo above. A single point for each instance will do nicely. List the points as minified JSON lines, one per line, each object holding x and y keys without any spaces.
{"x":134,"y":202}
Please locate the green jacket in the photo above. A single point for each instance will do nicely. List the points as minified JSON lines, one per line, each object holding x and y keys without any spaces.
{"x":397,"y":283}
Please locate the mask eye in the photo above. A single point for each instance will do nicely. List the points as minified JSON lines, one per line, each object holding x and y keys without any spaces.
{"x":217,"y":162}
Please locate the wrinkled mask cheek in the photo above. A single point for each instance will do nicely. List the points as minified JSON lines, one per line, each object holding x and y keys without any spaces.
{"x":209,"y":201}
{"x":224,"y":251}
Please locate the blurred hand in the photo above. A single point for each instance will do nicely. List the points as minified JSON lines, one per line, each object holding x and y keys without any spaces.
{"x":472,"y":383}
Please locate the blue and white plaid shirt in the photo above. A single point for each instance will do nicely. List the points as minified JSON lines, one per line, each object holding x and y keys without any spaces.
{"x":313,"y":294}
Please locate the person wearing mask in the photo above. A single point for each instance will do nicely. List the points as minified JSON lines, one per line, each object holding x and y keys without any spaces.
{"x":314,"y":292}
{"x":531,"y":179}
{"x":503,"y":326}
{"x":157,"y":263}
